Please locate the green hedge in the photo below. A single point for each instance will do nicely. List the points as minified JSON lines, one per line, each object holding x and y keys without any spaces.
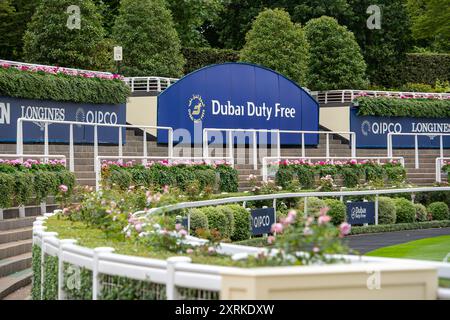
{"x":393,"y":107}
{"x":36,"y":268}
{"x":400,"y":227}
{"x":439,"y":211}
{"x":425,"y":68}
{"x":60,"y":87}
{"x":197,"y":58}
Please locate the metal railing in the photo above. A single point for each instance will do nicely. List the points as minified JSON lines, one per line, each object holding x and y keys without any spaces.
{"x":348,"y":95}
{"x":71,"y":124}
{"x":439,"y":165}
{"x":416,"y":143}
{"x":331,"y":160}
{"x":100,"y":159}
{"x":149,"y":84}
{"x":230,"y":140}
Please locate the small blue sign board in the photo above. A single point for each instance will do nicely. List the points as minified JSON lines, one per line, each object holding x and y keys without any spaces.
{"x":262,"y":221}
{"x":184,"y":221}
{"x":12,"y":109}
{"x":237,"y":96}
{"x":372,"y":131}
{"x":359,"y":213}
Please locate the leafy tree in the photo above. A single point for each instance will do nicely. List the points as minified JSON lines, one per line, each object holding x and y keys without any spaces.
{"x":52,"y":36}
{"x":109,"y":9}
{"x":146,"y":32}
{"x":7,"y":40}
{"x":277,"y":43}
{"x":192,"y":18}
{"x":336,"y":61}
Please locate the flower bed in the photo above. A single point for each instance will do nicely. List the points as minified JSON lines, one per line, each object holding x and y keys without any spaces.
{"x":193,"y":178}
{"x":21,"y":181}
{"x":446,"y":168}
{"x":300,"y":174}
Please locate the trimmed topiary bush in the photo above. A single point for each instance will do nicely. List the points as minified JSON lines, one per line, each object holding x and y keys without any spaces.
{"x":228,"y":178}
{"x":284,"y":176}
{"x":228,"y":212}
{"x":405,"y":210}
{"x":305,"y":175}
{"x":387,"y":212}
{"x":337,"y":211}
{"x":6,"y":190}
{"x":199,"y":220}
{"x":421,"y":212}
{"x":439,"y":211}
{"x":23,"y":187}
{"x":217,"y":220}
{"x":241,"y":223}
{"x":313,"y":206}
{"x":45,"y":184}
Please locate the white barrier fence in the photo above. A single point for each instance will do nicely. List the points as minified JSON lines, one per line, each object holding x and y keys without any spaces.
{"x":100,"y":159}
{"x":348,"y":95}
{"x":71,"y":125}
{"x":416,"y":143}
{"x":149,"y":84}
{"x":231,"y":134}
{"x":267,"y":161}
{"x":439,"y":164}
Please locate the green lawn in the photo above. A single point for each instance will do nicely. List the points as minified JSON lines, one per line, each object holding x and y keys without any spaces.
{"x":435,"y":248}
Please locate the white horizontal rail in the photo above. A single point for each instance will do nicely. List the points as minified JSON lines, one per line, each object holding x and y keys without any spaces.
{"x":71,"y":124}
{"x":331,"y":160}
{"x":149,"y":84}
{"x":416,"y":143}
{"x":230,"y":140}
{"x":43,"y":158}
{"x":439,"y":165}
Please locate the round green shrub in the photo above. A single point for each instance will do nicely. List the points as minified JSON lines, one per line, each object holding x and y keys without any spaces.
{"x":121,"y":178}
{"x":313,"y":206}
{"x":217,"y":220}
{"x":228,"y":178}
{"x":305,"y":176}
{"x":284,"y":176}
{"x":66,"y":178}
{"x":439,"y":211}
{"x":241,"y":223}
{"x":199,"y":220}
{"x":228,"y":212}
{"x":421,"y":212}
{"x":405,"y":210}
{"x":387,"y":212}
{"x":337,"y":211}
{"x":183,"y":176}
{"x":350,"y":176}
{"x":206,"y":178}
{"x":45,"y":184}
{"x":23,"y":187}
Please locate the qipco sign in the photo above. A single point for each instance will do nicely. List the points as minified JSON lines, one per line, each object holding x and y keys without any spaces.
{"x":262,"y":220}
{"x":12,"y":109}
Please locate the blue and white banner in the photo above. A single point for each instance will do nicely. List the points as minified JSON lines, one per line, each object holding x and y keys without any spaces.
{"x":359,"y":213}
{"x":372,"y":131}
{"x":262,"y":221}
{"x":239,"y":96}
{"x":12,"y":109}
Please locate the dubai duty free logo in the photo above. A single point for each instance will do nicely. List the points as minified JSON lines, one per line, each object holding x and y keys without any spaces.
{"x":196,"y":108}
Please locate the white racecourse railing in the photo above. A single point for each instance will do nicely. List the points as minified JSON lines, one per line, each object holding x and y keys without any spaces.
{"x":20,"y":121}
{"x":348,"y":95}
{"x":266,"y":161}
{"x":439,"y":165}
{"x":149,"y":84}
{"x":100,"y":159}
{"x":231,"y":135}
{"x":416,"y":143}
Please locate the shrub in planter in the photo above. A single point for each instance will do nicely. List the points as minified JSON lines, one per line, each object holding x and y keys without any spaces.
{"x":337,"y":211}
{"x":66,"y":178}
{"x":183,"y":176}
{"x":405,"y":210}
{"x":421,"y":212}
{"x":387,"y":212}
{"x":228,"y":178}
{"x":206,"y":178}
{"x":228,"y":212}
{"x":305,"y":176}
{"x":45,"y":184}
{"x":327,"y":170}
{"x":313,"y":206}
{"x":199,"y":220}
{"x":284,"y":176}
{"x":140,"y":176}
{"x":23,"y":187}
{"x":374,"y":173}
{"x":162,"y":175}
{"x":6,"y":190}
{"x":121,"y":178}
{"x":350,"y":175}
{"x":439,"y":211}
{"x":217,"y":220}
{"x":241,"y":223}
{"x":395,"y":173}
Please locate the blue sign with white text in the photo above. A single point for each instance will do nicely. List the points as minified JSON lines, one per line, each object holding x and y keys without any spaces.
{"x":360,"y":213}
{"x":238,"y":96}
{"x":372,"y":131}
{"x":262,"y":221}
{"x":12,"y":109}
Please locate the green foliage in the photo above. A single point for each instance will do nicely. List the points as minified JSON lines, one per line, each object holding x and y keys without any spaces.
{"x":336,"y":61}
{"x":121,"y":178}
{"x":229,"y":214}
{"x":425,"y":68}
{"x":146,"y":32}
{"x":405,"y":210}
{"x":77,"y":289}
{"x":49,"y":39}
{"x":228,"y":178}
{"x":23,"y":187}
{"x":199,"y":220}
{"x":197,"y":58}
{"x":50,"y":291}
{"x":421,"y":212}
{"x":400,"y":227}
{"x":337,"y":211}
{"x":36,"y":268}
{"x":391,"y":107}
{"x":284,"y":176}
{"x":217,"y":220}
{"x":395,"y":173}
{"x":277,"y":43}
{"x":387,"y":212}
{"x":313,"y":206}
{"x":427,"y":198}
{"x":439,"y":211}
{"x":122,"y":288}
{"x":45,"y":86}
{"x":7,"y":38}
{"x":241,"y":223}
{"x":45,"y":184}
{"x":206,"y":178}
{"x":351,"y":174}
{"x":305,"y":176}
{"x":6,"y":190}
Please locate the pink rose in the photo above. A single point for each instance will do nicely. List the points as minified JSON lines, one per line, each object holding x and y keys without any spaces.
{"x":277,"y":228}
{"x":323,"y":219}
{"x":270,"y":239}
{"x":344,"y":229}
{"x":183,"y":233}
{"x":178,"y":227}
{"x":63,"y":188}
{"x":316,"y":249}
{"x":138,"y":227}
{"x":189,"y":251}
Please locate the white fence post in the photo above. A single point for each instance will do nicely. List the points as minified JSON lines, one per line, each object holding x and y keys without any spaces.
{"x":19,"y":138}
{"x":71,"y":150}
{"x":170,"y":142}
{"x":328,"y":146}
{"x":120,"y":142}
{"x":95,"y":280}
{"x":377,"y":197}
{"x":416,"y":150}
{"x":95,"y":145}
{"x":46,"y":151}
{"x":171,"y":291}
{"x":303,"y":144}
{"x":255,"y":151}
{"x":230,"y":146}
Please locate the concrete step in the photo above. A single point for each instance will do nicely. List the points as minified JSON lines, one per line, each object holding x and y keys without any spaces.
{"x":12,"y":224}
{"x":15,"y":248}
{"x":15,"y":264}
{"x":16,"y":235}
{"x":21,"y":294}
{"x":14,"y":282}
